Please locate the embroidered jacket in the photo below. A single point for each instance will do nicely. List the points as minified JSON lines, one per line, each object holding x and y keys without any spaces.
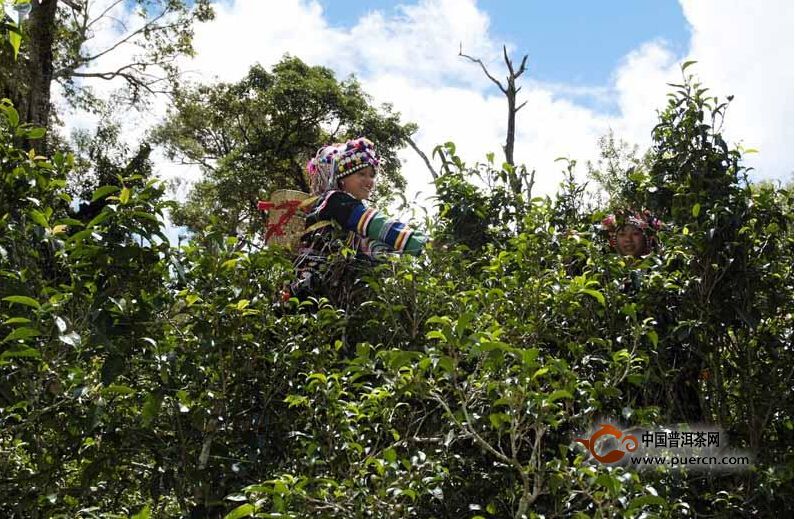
{"x":339,"y":220}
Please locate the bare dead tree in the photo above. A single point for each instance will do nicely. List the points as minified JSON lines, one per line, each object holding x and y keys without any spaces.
{"x":510,"y":90}
{"x":517,"y":177}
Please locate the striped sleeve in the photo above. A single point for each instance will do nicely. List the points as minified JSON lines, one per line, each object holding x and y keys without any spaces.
{"x":352,"y":215}
{"x":396,"y":235}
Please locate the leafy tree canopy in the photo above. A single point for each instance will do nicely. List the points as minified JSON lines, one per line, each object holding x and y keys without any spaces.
{"x":254,"y":136}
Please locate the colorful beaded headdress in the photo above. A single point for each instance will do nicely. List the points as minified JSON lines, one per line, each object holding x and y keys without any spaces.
{"x":358,"y":154}
{"x":643,"y":220}
{"x":321,"y":168}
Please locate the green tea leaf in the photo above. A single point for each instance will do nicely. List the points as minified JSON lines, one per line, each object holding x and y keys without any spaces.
{"x":21,"y":333}
{"x":229,"y":264}
{"x":151,"y":409}
{"x":98,"y":219}
{"x":20,"y":351}
{"x":69,"y":221}
{"x":145,"y":513}
{"x":595,"y":294}
{"x":15,"y":39}
{"x":558,"y":394}
{"x":390,"y":455}
{"x":17,"y":320}
{"x":39,"y":218}
{"x":541,"y":372}
{"x":642,"y":501}
{"x":23,"y":300}
{"x":36,"y":133}
{"x":119,"y":389}
{"x":103,"y":191}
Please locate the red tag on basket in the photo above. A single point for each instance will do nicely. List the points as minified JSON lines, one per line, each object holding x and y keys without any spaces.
{"x":290,"y":207}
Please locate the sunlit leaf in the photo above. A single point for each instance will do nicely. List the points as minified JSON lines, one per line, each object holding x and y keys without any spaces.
{"x":17,"y":320}
{"x":151,"y":409}
{"x":595,"y":294}
{"x":119,"y":389}
{"x":15,"y":39}
{"x":145,"y":513}
{"x":20,"y":351}
{"x":39,"y":218}
{"x":103,"y":191}
{"x":71,"y":338}
{"x":23,"y":300}
{"x":559,"y":394}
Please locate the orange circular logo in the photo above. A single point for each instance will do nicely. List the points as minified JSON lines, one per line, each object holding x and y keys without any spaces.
{"x":628,"y":441}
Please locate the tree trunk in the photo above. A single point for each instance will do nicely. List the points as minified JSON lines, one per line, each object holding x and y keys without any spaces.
{"x":510,"y":134}
{"x":41,"y":31}
{"x":26,"y":81}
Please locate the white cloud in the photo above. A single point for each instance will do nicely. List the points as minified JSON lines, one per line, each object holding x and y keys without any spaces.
{"x":422,"y":42}
{"x":640,"y":85}
{"x":245,"y":32}
{"x":745,"y":49}
{"x":741,"y":49}
{"x":409,"y":58}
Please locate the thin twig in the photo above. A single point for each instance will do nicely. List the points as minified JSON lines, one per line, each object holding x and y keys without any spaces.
{"x":424,"y":157}
{"x":485,"y":70}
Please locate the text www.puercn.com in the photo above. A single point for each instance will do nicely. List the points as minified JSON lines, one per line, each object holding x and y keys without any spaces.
{"x":689,"y":460}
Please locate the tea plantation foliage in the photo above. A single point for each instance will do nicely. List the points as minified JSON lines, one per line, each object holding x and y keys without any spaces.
{"x":139,"y":379}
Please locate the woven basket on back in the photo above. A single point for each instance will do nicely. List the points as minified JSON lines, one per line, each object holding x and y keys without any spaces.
{"x":286,"y":218}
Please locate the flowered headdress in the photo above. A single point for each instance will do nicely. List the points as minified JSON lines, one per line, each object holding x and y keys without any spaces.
{"x":643,"y":220}
{"x":321,"y":168}
{"x":357,"y":154}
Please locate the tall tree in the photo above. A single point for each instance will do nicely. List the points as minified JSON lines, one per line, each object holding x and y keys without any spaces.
{"x":256,"y":135}
{"x":59,"y":45}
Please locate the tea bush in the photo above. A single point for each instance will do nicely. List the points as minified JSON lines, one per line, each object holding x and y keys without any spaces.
{"x":146,"y":380}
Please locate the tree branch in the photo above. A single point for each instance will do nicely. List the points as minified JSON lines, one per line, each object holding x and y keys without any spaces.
{"x":471,"y":431}
{"x":73,"y":5}
{"x":135,"y":80}
{"x":134,"y":33}
{"x":424,"y":157}
{"x":485,"y":70}
{"x":101,"y":16}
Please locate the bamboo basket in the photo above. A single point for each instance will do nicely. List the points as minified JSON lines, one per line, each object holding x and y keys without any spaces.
{"x":286,"y":218}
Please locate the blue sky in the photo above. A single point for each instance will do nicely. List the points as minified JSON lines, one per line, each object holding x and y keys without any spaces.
{"x":576,"y":42}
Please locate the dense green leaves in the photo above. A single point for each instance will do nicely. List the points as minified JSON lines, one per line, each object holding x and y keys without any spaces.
{"x":255,"y":136}
{"x":139,"y":379}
